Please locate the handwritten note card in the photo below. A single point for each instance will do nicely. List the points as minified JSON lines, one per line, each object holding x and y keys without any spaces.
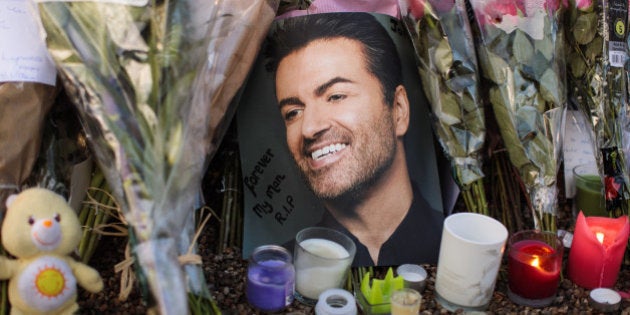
{"x":23,"y":54}
{"x":578,"y":148}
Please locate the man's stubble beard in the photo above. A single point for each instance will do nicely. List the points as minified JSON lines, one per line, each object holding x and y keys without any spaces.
{"x":350,"y":180}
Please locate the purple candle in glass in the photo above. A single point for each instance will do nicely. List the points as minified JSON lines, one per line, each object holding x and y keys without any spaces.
{"x":270,"y":278}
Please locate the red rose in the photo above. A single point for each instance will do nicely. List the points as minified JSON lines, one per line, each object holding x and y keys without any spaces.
{"x":416,"y":8}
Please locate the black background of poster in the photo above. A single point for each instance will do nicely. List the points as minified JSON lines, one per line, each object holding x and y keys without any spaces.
{"x":277,"y":203}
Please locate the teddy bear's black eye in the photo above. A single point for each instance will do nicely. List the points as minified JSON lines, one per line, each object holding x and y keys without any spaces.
{"x":31,"y":220}
{"x":57,"y":217}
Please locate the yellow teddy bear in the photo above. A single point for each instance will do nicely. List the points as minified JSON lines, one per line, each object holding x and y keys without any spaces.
{"x":41,"y":230}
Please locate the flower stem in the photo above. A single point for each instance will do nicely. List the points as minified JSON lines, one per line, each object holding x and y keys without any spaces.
{"x":475,"y":197}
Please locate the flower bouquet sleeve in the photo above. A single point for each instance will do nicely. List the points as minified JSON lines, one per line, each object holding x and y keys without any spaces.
{"x":27,"y":92}
{"x":520,"y":45}
{"x":23,"y":109}
{"x":596,"y":56}
{"x":153,"y":83}
{"x":447,"y":63}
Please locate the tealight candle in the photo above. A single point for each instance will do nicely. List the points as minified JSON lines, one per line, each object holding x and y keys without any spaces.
{"x":604,"y":300}
{"x":414,"y":276}
{"x":534,"y":265}
{"x":597,"y":250}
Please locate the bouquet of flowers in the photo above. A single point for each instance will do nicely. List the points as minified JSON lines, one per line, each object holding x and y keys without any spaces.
{"x":447,"y":63}
{"x":154,"y":81}
{"x":596,"y":58}
{"x":520,"y":49}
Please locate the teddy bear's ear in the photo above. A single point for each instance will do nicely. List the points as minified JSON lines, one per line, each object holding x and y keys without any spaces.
{"x":10,"y":200}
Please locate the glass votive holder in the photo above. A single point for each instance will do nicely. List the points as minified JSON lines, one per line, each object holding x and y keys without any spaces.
{"x":336,"y":302}
{"x":405,"y":301}
{"x":589,"y":191}
{"x":471,"y":253}
{"x":367,"y":308}
{"x":534,"y":267}
{"x":270,"y":278}
{"x":414,"y":275}
{"x":322,"y":259}
{"x":373,"y":295}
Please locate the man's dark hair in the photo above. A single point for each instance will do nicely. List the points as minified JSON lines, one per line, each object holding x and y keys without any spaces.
{"x":378,"y":48}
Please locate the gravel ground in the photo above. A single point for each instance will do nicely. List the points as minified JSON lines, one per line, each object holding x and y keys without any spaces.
{"x":226,"y":271}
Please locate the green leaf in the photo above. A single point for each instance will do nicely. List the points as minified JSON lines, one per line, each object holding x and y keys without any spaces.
{"x":431,"y":85}
{"x":522,"y":47}
{"x":447,"y":110}
{"x":576,"y":65}
{"x":468,"y":104}
{"x":585,"y":28}
{"x":493,"y":66}
{"x":505,"y":119}
{"x":474,"y":123}
{"x":458,"y":138}
{"x":546,"y":47}
{"x":443,"y":57}
{"x":527,"y":123}
{"x":551,"y":87}
{"x":594,"y":49}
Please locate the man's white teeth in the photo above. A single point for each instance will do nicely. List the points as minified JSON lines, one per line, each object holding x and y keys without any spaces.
{"x":318,"y":154}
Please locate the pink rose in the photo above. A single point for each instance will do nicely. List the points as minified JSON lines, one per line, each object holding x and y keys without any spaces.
{"x":494,"y":11}
{"x":416,"y":8}
{"x":584,"y":5}
{"x":554,"y":5}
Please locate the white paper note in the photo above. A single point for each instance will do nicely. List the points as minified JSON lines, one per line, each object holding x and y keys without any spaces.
{"x":578,"y":148}
{"x":23,"y":53}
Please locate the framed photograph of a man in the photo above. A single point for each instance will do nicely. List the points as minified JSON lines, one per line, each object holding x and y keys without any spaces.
{"x":334,"y":130}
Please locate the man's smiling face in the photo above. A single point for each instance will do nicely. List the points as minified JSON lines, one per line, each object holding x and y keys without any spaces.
{"x":339,"y":130}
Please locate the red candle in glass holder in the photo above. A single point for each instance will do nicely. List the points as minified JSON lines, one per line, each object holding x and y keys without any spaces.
{"x":597,"y":250}
{"x":534,"y":269}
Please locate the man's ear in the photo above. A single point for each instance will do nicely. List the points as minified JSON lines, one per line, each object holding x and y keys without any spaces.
{"x":401,"y":111}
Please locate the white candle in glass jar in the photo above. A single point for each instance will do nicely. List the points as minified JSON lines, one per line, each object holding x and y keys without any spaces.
{"x":322,"y":267}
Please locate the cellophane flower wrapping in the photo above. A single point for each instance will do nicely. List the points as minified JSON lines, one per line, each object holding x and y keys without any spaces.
{"x":520,"y":48}
{"x":153,"y":82}
{"x":596,"y":56}
{"x":442,"y":38}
